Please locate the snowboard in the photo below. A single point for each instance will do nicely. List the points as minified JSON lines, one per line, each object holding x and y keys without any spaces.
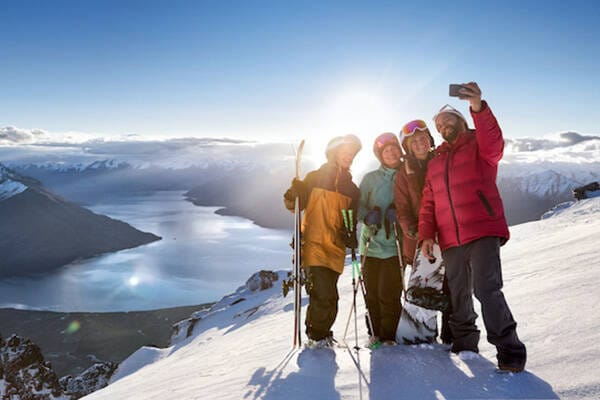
{"x":423,"y":297}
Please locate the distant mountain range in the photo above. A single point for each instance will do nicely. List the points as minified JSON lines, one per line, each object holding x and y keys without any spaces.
{"x":528,"y":190}
{"x":41,"y":231}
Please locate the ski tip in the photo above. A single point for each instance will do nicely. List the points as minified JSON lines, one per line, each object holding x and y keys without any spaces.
{"x":300,"y":147}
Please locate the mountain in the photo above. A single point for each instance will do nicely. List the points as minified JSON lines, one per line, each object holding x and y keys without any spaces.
{"x":248,"y":179}
{"x":241,"y":347}
{"x":41,"y":231}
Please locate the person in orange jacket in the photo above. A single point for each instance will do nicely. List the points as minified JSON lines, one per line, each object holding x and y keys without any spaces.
{"x":323,"y":194}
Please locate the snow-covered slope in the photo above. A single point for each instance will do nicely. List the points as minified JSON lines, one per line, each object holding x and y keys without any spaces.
{"x":241,"y":349}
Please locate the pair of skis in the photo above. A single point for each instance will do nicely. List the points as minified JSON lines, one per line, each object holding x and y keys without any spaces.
{"x":296,"y":275}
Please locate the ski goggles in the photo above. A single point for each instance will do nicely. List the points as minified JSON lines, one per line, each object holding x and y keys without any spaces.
{"x":450,"y":110}
{"x":384,"y":139}
{"x":410,"y":128}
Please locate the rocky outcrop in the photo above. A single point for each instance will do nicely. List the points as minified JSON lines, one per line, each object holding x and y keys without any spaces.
{"x":592,"y":189}
{"x":259,"y":281}
{"x":24,"y":375}
{"x":94,"y":378}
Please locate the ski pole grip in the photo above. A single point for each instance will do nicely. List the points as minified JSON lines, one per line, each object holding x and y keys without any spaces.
{"x":351,"y":220}
{"x":345,"y":217}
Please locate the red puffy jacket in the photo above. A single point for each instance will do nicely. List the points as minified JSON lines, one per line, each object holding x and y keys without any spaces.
{"x":461,"y":202}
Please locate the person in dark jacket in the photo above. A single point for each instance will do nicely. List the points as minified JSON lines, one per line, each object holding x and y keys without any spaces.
{"x":323,"y":194}
{"x":461,"y":205}
{"x":381,"y":265}
{"x":418,"y":146}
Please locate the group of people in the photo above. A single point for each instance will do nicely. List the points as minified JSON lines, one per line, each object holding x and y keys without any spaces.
{"x":445,"y":195}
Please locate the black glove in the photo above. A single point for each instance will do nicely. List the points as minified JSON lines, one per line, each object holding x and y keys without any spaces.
{"x":373,"y":217}
{"x":350,"y":239}
{"x":298,"y":189}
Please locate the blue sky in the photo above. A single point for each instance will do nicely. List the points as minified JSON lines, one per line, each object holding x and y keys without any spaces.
{"x":279,"y":70}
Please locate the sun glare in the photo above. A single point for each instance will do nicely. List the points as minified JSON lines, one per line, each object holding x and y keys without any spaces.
{"x":362,"y":112}
{"x":133,"y":281}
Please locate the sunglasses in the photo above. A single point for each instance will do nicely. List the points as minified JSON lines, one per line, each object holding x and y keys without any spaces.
{"x":410,"y":128}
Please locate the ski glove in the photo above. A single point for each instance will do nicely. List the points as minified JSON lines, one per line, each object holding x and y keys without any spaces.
{"x":373,"y":217}
{"x":350,"y":240}
{"x":390,"y":215}
{"x":298,"y":189}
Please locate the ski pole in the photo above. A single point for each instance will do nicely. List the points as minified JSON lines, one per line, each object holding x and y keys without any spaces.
{"x":372,"y":232}
{"x":400,"y":257}
{"x":348,"y":218}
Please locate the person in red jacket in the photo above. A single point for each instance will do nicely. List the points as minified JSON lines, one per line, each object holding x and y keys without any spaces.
{"x":461,"y":206}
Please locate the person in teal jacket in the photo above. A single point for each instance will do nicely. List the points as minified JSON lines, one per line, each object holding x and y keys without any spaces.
{"x":381,"y":264}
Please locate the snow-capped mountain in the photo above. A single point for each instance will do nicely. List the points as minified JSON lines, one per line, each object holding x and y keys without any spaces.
{"x":241,"y":347}
{"x":249,"y":179}
{"x":41,"y":231}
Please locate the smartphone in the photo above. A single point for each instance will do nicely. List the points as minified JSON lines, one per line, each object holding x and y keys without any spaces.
{"x":453,"y":90}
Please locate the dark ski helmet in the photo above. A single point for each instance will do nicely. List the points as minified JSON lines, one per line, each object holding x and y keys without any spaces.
{"x":383,"y":140}
{"x":335,"y":143}
{"x":409,"y":129}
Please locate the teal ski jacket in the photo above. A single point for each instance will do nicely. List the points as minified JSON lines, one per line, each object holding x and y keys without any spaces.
{"x":377,"y":190}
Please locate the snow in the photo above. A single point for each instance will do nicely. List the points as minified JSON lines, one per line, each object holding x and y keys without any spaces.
{"x":10,"y":188}
{"x":241,"y":349}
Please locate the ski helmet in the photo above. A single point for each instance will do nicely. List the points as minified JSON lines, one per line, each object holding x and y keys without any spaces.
{"x":409,"y":130}
{"x":383,"y":140}
{"x":335,"y":143}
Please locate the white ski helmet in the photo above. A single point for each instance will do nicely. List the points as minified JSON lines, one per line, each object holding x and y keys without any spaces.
{"x":335,"y":143}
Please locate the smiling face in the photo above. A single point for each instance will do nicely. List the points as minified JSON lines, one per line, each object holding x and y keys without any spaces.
{"x":420,"y":144}
{"x":449,"y":125}
{"x":390,"y":156}
{"x":344,"y":156}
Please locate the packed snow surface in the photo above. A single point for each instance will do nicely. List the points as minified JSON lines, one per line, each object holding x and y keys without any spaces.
{"x":241,"y":349}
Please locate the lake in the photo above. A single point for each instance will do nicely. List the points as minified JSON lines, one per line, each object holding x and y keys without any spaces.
{"x":201,"y":257}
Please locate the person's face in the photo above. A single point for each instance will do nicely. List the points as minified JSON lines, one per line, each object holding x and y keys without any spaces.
{"x":390,"y":156}
{"x":420,"y":143}
{"x":345,"y":156}
{"x":448,"y":125}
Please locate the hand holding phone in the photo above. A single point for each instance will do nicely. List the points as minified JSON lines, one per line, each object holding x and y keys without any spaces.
{"x":454,"y":90}
{"x":468,"y":91}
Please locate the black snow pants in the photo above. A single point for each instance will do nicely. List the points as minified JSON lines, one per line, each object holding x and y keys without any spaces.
{"x":383,"y":282}
{"x":475,"y":268}
{"x":321,"y":286}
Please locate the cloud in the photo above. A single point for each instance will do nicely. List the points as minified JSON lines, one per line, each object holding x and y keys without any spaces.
{"x":565,"y":147}
{"x":173,"y":153}
{"x":564,"y":139}
{"x":12,"y":135}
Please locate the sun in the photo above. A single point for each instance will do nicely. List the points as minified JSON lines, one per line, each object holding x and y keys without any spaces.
{"x":361,"y":111}
{"x":133,"y":281}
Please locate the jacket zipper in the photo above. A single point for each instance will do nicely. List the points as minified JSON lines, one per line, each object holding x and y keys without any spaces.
{"x":486,"y":203}
{"x":450,"y":196}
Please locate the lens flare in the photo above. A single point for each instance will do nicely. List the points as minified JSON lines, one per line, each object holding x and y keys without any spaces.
{"x":73,"y":327}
